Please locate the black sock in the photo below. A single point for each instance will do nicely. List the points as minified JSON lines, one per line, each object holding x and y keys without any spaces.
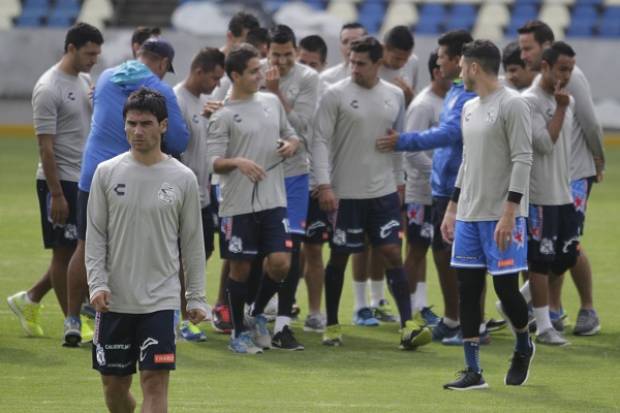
{"x":286,"y":295}
{"x":399,"y":287}
{"x":256,"y":273}
{"x":266,"y":290}
{"x":334,"y":280}
{"x":236,"y":293}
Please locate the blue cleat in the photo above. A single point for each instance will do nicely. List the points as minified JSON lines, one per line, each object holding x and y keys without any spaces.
{"x":190,"y":332}
{"x":457,"y":340}
{"x":441,"y":331}
{"x":365,"y":318}
{"x":430,"y":318}
{"x":243,"y":344}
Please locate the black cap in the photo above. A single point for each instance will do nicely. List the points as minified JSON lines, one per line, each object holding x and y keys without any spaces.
{"x":160,"y":47}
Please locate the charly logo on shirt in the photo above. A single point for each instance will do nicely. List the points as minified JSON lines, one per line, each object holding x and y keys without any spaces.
{"x":467,"y":116}
{"x":355,"y":104}
{"x":266,"y":110}
{"x":195,"y":119}
{"x":167,"y":193}
{"x":549,"y":112}
{"x":71,"y":96}
{"x":491,"y":116}
{"x":387,"y":103}
{"x":237,"y":118}
{"x":119,"y":189}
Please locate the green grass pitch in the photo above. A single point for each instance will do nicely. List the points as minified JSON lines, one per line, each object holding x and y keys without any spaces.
{"x":367,"y":374}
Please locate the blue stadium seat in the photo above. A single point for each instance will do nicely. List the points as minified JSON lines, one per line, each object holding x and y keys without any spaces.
{"x":371,"y":14}
{"x":525,"y":11}
{"x":584,"y":12}
{"x":462,"y":16}
{"x":609,"y":28}
{"x":531,"y":2}
{"x":33,"y":13}
{"x":58,"y":20}
{"x":432,"y":12}
{"x":589,"y":2}
{"x":28,"y":21}
{"x":581,"y":28}
{"x":611,"y":12}
{"x":68,"y":5}
{"x":316,"y":4}
{"x":428,"y":27}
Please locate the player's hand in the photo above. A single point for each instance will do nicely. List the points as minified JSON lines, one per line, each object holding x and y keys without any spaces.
{"x":404,"y":86}
{"x":251,"y":169}
{"x":327,"y":199}
{"x":562,"y":97}
{"x":447,"y":226}
{"x":388,"y":142}
{"x":196,"y":315}
{"x":100,"y":301}
{"x":211,"y":107}
{"x":272,"y":79}
{"x":288,"y":148}
{"x":600,"y":164}
{"x":503,"y":231}
{"x":59,"y":209}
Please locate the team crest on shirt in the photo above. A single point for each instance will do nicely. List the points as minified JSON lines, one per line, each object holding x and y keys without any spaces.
{"x":292,"y":92}
{"x":491,"y":116}
{"x":166,"y":193}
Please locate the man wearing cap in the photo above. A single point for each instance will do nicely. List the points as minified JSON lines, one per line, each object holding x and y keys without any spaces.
{"x":107,"y":140}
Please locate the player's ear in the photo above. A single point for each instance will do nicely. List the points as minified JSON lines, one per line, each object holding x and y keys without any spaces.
{"x":163,"y":126}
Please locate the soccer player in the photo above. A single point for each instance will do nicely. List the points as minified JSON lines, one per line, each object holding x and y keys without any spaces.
{"x":313,"y":52}
{"x":358,"y":184}
{"x":106,"y":140}
{"x":61,"y":110}
{"x":586,"y":167}
{"x":485,"y":218}
{"x":248,"y":139}
{"x":400,"y":65}
{"x":553,"y":222}
{"x":446,"y":140}
{"x":517,"y":75}
{"x":206,"y":70}
{"x":140,"y":35}
{"x":296,"y":86}
{"x":143,"y":204}
{"x":348,"y":33}
{"x":259,"y":38}
{"x":423,"y":113}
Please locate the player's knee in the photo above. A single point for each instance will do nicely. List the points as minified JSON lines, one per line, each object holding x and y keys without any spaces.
{"x":115,"y":389}
{"x":563,"y":263}
{"x":391,"y":255}
{"x":154,"y":382}
{"x":279,"y":266}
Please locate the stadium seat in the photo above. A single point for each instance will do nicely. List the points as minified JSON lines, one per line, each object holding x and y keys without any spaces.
{"x":317,"y":4}
{"x":590,"y":2}
{"x":488,"y":31}
{"x":461,"y":16}
{"x":555,"y":14}
{"x":399,"y":13}
{"x":584,"y":12}
{"x":428,"y":27}
{"x":33,"y":14}
{"x":580,"y":28}
{"x":494,"y":13}
{"x":344,"y":10}
{"x":371,"y":15}
{"x":609,"y":25}
{"x":96,"y":12}
{"x":611,"y":2}
{"x":432,"y":13}
{"x":9,"y":9}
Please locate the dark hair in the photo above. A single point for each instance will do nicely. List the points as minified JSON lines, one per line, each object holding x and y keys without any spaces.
{"x":241,"y":21}
{"x":257,"y":37}
{"x":541,"y":31}
{"x":557,"y":49}
{"x":511,"y":55}
{"x":353,"y":25}
{"x":315,"y":43}
{"x":370,"y":45}
{"x":142,"y":33}
{"x":485,"y":53}
{"x":207,"y":59}
{"x":282,"y":34}
{"x":146,"y":100}
{"x":400,"y":38}
{"x":432,"y":64}
{"x":80,"y":34}
{"x":454,"y":41}
{"x":238,"y":58}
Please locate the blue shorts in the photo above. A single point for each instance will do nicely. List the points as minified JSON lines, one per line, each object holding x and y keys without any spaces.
{"x":419,"y":224}
{"x":580,"y":189}
{"x":55,"y":236}
{"x":121,"y":340}
{"x":318,"y":228}
{"x":378,"y":218}
{"x":259,"y":233}
{"x":475,"y":247}
{"x":297,"y":202}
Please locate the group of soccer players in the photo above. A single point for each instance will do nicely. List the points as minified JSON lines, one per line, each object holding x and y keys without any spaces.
{"x":492,"y":173}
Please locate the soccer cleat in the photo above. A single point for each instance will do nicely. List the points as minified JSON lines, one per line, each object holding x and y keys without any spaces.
{"x":468,"y":380}
{"x":243,"y":344}
{"x":587,"y":323}
{"x":415,"y":334}
{"x":557,"y":320}
{"x":191,"y":332}
{"x":28,"y":313}
{"x":519,"y":369}
{"x":285,"y":340}
{"x":87,"y":329}
{"x":220,"y":319}
{"x":457,"y":339}
{"x":73,"y":332}
{"x":441,"y":331}
{"x":260,"y":332}
{"x":332,"y":336}
{"x":493,"y":325}
{"x":552,"y":338}
{"x":430,"y":318}
{"x":384,"y":312}
{"x":364,"y":317}
{"x":314,"y":323}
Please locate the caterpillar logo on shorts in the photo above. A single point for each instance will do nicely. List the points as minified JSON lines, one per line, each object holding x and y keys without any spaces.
{"x":506,"y":263}
{"x":164,"y":358}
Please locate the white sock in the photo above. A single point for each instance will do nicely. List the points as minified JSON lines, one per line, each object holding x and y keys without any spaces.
{"x":361,"y":299}
{"x":376,"y":292}
{"x":421,"y":296}
{"x":543,"y":321}
{"x":414,"y":305}
{"x":526,"y":293}
{"x":450,"y":322}
{"x":281,"y":321}
{"x":482,"y":328}
{"x":28,"y":299}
